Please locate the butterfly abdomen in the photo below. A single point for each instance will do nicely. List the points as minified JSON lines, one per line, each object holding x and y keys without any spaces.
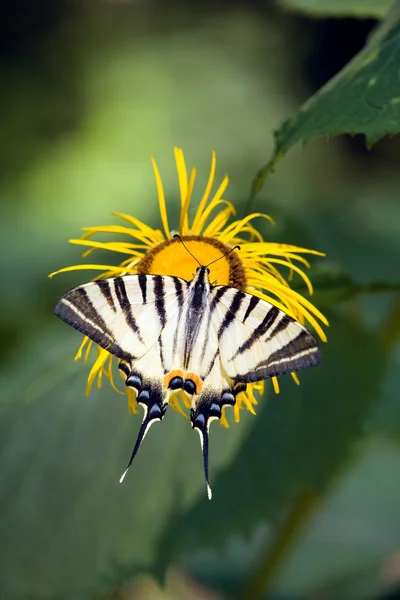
{"x":197,"y":309}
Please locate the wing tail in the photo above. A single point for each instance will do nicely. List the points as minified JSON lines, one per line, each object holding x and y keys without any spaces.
{"x":152,"y":397}
{"x":201,"y":424}
{"x":209,"y":408}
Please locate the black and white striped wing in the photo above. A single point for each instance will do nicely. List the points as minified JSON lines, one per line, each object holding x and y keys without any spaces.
{"x":128,"y":316}
{"x":257,"y":340}
{"x":123,"y":315}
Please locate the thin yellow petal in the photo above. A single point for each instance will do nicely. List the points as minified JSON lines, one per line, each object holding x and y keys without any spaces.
{"x":186,"y":400}
{"x":182,"y":174}
{"x":97,"y":366}
{"x":236,"y":414}
{"x":297,"y":270}
{"x":92,"y":267}
{"x":100,"y":378}
{"x":155,"y":234}
{"x":119,"y":271}
{"x":250,"y":393}
{"x":224,"y":421}
{"x":314,"y":324}
{"x":254,"y":234}
{"x":298,"y":258}
{"x":289,"y":293}
{"x":109,"y":374}
{"x":207,"y":212}
{"x":233,"y":229}
{"x":184,"y":220}
{"x":265,"y":269}
{"x":111,"y":246}
{"x":267,"y":298}
{"x":218,"y":222}
{"x":135,"y":233}
{"x":132,"y":404}
{"x":275,"y":383}
{"x":295,"y":378}
{"x":78,"y":355}
{"x":247,"y":403}
{"x":161,"y":199}
{"x":88,"y":252}
{"x":261,"y":249}
{"x":174,"y":402}
{"x":206,"y":194}
{"x":87,"y":353}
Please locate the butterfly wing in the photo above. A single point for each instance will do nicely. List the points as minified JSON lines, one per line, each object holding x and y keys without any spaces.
{"x":218,"y":390}
{"x":126,"y":316}
{"x":258,"y":341}
{"x":123,"y":315}
{"x":146,"y":321}
{"x":248,"y":340}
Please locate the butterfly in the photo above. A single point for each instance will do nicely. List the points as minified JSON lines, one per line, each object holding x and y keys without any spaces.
{"x":171,"y":335}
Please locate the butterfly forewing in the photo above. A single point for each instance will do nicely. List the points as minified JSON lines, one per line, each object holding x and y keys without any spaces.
{"x":124,"y":315}
{"x":259,"y":340}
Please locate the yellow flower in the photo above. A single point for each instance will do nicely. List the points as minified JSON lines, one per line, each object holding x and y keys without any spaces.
{"x":258,"y":268}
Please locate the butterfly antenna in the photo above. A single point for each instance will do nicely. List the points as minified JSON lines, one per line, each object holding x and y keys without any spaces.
{"x":203,"y":433}
{"x":224,"y":255}
{"x":152,"y":414}
{"x":178,"y":237}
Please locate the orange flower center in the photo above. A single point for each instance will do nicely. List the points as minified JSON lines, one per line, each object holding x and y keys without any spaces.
{"x":172,"y":258}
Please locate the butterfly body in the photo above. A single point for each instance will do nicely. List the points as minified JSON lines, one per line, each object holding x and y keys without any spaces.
{"x":171,"y":335}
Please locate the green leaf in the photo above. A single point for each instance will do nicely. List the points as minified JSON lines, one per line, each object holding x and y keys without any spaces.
{"x":68,"y":521}
{"x":299,"y":441}
{"x":386,"y":419}
{"x":364,"y":97}
{"x":339,"y":8}
{"x":178,"y":586}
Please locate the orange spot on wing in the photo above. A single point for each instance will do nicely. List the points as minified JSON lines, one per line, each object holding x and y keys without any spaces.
{"x":196,"y":380}
{"x":169,"y":376}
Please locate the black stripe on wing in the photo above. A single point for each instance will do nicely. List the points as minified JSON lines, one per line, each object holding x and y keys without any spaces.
{"x":284,"y":322}
{"x":231,"y":313}
{"x":76,"y":309}
{"x":143,"y":286}
{"x":126,"y":307}
{"x":220,"y":291}
{"x":297,"y":355}
{"x":179,"y":294}
{"x":105,"y":287}
{"x":261,"y":330}
{"x":160,"y":308}
{"x":213,"y":306}
{"x":207,"y":371}
{"x":252,"y":304}
{"x":159,"y":296}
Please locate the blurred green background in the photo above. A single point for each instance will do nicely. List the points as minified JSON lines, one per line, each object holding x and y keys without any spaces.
{"x":306,"y":500}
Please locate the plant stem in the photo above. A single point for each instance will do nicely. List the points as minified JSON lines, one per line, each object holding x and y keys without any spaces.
{"x":261,"y":580}
{"x":259,"y":181}
{"x":390,"y":328}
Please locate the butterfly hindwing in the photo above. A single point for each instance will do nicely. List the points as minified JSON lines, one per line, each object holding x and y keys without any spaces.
{"x":145,"y":376}
{"x":257,"y":340}
{"x":217,"y":391}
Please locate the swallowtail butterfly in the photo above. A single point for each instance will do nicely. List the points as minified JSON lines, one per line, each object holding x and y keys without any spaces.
{"x":170,"y":334}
